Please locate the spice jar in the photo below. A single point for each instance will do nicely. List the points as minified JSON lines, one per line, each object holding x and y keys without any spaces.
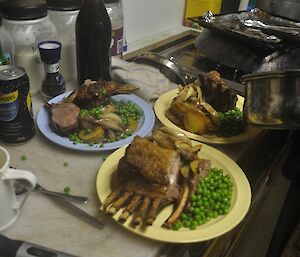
{"x":28,"y":23}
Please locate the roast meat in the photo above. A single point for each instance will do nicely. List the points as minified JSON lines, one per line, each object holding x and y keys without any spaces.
{"x":64,"y":118}
{"x":217,"y":93}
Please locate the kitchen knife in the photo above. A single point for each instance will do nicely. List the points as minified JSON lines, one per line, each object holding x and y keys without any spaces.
{"x":16,"y":248}
{"x":73,"y":209}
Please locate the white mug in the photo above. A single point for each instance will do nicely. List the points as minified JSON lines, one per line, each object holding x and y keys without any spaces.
{"x":10,"y":203}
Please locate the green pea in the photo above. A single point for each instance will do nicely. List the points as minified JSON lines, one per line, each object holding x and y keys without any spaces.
{"x":187,"y":223}
{"x":23,"y":157}
{"x":193,"y":225}
{"x":67,"y":190}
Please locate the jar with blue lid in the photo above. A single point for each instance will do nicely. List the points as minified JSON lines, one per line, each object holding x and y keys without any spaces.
{"x":28,"y":24}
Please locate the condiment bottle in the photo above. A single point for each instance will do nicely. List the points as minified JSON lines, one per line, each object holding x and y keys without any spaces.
{"x":93,"y":39}
{"x":114,"y":10}
{"x":28,"y":23}
{"x":54,"y":83}
{"x":63,"y":13}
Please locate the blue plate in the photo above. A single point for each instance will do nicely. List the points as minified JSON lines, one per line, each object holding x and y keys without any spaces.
{"x":145,"y":125}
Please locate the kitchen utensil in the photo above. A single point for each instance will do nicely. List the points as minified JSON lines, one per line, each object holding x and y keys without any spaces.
{"x":73,"y":198}
{"x":166,"y":66}
{"x":259,"y":24}
{"x":76,"y":211}
{"x":9,"y":202}
{"x":273,"y":99}
{"x":20,"y":189}
{"x":16,"y":248}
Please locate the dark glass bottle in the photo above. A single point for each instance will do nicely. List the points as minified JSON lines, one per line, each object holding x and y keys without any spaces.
{"x":93,"y":39}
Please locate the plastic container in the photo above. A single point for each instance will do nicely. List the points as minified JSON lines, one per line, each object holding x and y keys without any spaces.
{"x":114,"y":10}
{"x":63,"y":14}
{"x":6,"y":45}
{"x":28,"y":24}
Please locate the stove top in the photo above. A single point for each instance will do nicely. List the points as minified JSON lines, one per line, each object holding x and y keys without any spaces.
{"x":194,"y":62}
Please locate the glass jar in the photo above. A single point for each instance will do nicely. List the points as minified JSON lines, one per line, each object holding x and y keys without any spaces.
{"x":63,"y":14}
{"x":114,"y":10}
{"x":6,"y":46}
{"x":28,"y":24}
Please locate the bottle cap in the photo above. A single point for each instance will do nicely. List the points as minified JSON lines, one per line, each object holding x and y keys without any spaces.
{"x":50,"y":51}
{"x":64,"y":5}
{"x":24,"y":10}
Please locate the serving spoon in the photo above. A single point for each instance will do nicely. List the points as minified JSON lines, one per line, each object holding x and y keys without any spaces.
{"x":259,"y":24}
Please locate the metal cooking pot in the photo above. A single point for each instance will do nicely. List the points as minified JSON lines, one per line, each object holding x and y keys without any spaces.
{"x":272,"y":99}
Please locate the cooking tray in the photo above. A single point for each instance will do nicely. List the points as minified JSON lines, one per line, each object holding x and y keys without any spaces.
{"x":231,"y":25}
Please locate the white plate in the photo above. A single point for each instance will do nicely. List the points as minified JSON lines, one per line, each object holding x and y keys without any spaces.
{"x":240,"y":203}
{"x":145,"y":125}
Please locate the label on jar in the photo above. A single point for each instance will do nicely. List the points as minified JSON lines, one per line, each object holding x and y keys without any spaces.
{"x":117,"y":41}
{"x":52,"y":68}
{"x":9,"y":106}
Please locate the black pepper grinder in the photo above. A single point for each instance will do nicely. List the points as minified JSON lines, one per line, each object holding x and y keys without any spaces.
{"x":53,"y":83}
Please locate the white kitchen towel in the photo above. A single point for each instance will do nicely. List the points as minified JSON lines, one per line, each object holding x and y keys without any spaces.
{"x":151,"y":82}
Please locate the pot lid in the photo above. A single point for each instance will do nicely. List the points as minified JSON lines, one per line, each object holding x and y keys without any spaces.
{"x":24,"y":10}
{"x":271,"y":74}
{"x":64,"y":5}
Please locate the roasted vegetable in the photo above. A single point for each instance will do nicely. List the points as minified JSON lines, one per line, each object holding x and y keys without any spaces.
{"x":132,"y":124}
{"x":91,"y":135}
{"x":195,"y":122}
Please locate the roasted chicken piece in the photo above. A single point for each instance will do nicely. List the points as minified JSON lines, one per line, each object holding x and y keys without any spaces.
{"x":150,"y":176}
{"x":94,"y":93}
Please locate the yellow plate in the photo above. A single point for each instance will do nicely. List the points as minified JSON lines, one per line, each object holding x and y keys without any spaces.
{"x":240,"y":201}
{"x":163,"y":103}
